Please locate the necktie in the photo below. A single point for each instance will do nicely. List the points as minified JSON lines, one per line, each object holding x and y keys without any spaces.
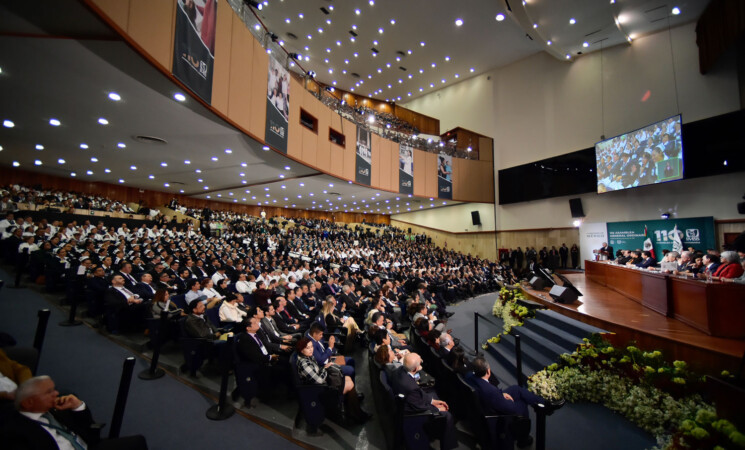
{"x":127,"y":292}
{"x":63,"y":431}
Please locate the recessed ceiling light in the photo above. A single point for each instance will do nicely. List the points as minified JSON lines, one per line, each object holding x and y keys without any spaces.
{"x":380,"y":30}
{"x":182,"y":191}
{"x":103,"y":121}
{"x":152,"y":177}
{"x":60,"y":161}
{"x":164,"y":164}
{"x":107,"y":170}
{"x":431,"y":85}
{"x":472,"y":70}
{"x":37,"y":162}
{"x":179,"y":97}
{"x":187,"y":162}
{"x":287,"y":20}
{"x":572,"y":21}
{"x":84,"y":146}
{"x":535,"y":25}
{"x":199,"y":180}
{"x":121,"y":180}
{"x":8,"y":123}
{"x":458,"y":22}
{"x":89,"y":172}
{"x":357,"y":12}
{"x":257,"y":27}
{"x":39,"y":147}
{"x":228,"y":151}
{"x":568,"y":56}
{"x":73,"y":174}
{"x":206,"y":187}
{"x":676,"y":11}
{"x":94,"y":159}
{"x":198,"y":171}
{"x":500,"y":17}
{"x":133,"y":167}
{"x":54,"y":122}
{"x":121,"y":145}
{"x":548,"y":42}
{"x":16,"y":164}
{"x":300,"y":15}
{"x":584,"y":44}
{"x":114,"y":96}
{"x":214,"y":158}
{"x":422,"y":44}
{"x":166,"y":185}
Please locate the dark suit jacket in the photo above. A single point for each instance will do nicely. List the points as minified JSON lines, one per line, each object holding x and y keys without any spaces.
{"x":415,"y":398}
{"x":249,"y":351}
{"x":144,"y":291}
{"x":197,"y":327}
{"x":20,"y":432}
{"x":320,"y":353}
{"x":115,"y":299}
{"x":492,"y":398}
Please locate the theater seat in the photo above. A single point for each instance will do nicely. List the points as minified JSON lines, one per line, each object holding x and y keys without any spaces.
{"x":314,"y":400}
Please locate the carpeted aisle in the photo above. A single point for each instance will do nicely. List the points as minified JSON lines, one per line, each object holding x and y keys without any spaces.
{"x":169,"y":413}
{"x":576,"y":426}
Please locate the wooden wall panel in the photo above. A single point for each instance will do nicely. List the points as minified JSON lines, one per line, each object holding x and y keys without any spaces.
{"x":310,"y":140}
{"x":420,"y":176}
{"x":116,"y":10}
{"x":384,"y":164}
{"x":459,"y":187}
{"x":538,"y":238}
{"x":430,"y":173}
{"x":241,"y":55}
{"x":376,"y":145}
{"x":323,"y":114}
{"x":482,"y":245}
{"x":223,"y":56}
{"x":350,"y":152}
{"x":294,"y":138}
{"x":486,"y":148}
{"x":394,"y":166}
{"x":152,"y":25}
{"x":258,"y":86}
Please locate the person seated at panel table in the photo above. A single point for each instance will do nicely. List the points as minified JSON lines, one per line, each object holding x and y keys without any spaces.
{"x":647,"y":261}
{"x":685,"y":263}
{"x":709,"y":265}
{"x":624,"y":258}
{"x":730,"y":267}
{"x":634,"y":258}
{"x":738,"y":280}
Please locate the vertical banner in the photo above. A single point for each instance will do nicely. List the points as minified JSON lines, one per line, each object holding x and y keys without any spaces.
{"x":363,"y":156}
{"x":405,"y":169}
{"x":277,"y":106}
{"x":194,"y":46}
{"x":672,"y":234}
{"x":444,"y":176}
{"x":591,"y":237}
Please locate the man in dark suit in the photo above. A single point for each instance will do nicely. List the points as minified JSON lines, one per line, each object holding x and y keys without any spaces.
{"x":250,"y":348}
{"x":126,"y":272}
{"x":324,"y":354}
{"x":124,"y":308}
{"x":145,"y":287}
{"x":513,"y":400}
{"x":45,"y":421}
{"x":416,"y":400}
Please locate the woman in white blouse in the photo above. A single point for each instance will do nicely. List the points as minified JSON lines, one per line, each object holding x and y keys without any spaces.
{"x":208,"y":290}
{"x":229,"y":311}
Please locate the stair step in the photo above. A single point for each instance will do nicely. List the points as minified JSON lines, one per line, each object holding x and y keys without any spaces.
{"x":533,"y":361}
{"x":530,"y":304}
{"x":564,"y":339}
{"x":542,"y":344}
{"x":569,"y":325}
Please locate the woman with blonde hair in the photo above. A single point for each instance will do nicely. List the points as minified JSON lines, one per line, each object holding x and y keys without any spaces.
{"x":333,"y":322}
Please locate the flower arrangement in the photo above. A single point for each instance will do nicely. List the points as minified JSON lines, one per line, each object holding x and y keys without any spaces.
{"x":511,"y":313}
{"x":659,"y":397}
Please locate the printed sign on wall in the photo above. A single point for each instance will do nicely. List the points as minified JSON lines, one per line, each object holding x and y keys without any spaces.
{"x":364,"y":157}
{"x":444,"y":176}
{"x":277,"y":106}
{"x":696,"y":232}
{"x":405,"y":169}
{"x":194,"y":46}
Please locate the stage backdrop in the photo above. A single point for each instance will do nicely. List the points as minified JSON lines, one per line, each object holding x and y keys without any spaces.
{"x":697,"y":232}
{"x":444,"y":176}
{"x":364,"y":146}
{"x":194,"y":46}
{"x":591,"y":237}
{"x":277,"y":106}
{"x":405,"y":169}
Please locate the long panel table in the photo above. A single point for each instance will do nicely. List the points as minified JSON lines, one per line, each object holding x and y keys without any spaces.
{"x":717,"y":309}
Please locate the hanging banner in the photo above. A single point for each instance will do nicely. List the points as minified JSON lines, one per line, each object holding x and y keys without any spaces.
{"x":591,"y":237}
{"x":194,"y":45}
{"x":696,"y":232}
{"x":405,"y":169}
{"x":277,"y":106}
{"x":363,"y":156}
{"x":445,"y":176}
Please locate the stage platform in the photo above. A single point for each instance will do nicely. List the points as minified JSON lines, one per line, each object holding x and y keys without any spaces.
{"x":631,"y":321}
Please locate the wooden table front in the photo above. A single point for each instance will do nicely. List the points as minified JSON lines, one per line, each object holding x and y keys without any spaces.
{"x":643,"y":286}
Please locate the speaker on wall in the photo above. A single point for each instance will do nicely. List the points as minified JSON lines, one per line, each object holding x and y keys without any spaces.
{"x":475,"y":218}
{"x":575,"y":205}
{"x":409,"y":230}
{"x":563,"y":295}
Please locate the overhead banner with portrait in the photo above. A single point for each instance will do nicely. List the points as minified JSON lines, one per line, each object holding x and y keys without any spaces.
{"x":277,"y":106}
{"x":364,"y":159}
{"x":696,"y":232}
{"x":194,"y":45}
{"x":444,"y":176}
{"x":405,"y":169}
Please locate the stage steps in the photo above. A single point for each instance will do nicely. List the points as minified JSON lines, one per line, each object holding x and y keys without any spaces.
{"x":542,"y":340}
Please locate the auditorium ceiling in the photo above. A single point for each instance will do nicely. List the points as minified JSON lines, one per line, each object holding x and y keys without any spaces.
{"x":58,"y":71}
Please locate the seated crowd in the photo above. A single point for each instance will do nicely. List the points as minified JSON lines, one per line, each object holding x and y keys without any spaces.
{"x":296,"y":299}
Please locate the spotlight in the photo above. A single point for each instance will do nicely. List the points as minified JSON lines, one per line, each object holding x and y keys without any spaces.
{"x":665,"y":216}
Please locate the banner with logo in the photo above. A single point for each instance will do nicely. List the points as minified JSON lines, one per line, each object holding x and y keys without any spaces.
{"x":696,"y":232}
{"x":364,"y":158}
{"x":277,"y":106}
{"x":194,"y":45}
{"x":405,"y":169}
{"x":444,"y":176}
{"x":591,"y":237}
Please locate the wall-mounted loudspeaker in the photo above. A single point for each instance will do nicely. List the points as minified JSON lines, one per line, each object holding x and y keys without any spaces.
{"x":475,"y":218}
{"x":563,"y":295}
{"x":575,"y":206}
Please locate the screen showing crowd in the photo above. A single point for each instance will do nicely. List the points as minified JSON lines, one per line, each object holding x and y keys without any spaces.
{"x":649,"y":155}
